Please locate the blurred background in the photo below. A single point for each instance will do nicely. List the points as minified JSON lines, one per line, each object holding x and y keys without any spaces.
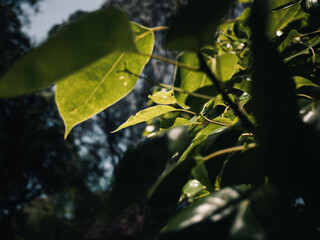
{"x":51,"y":188}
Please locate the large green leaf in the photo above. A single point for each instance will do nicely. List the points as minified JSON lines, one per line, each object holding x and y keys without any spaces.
{"x":188,"y":80}
{"x":195,"y":24}
{"x":146,"y":115}
{"x":103,"y":83}
{"x":80,"y":44}
{"x":280,"y":18}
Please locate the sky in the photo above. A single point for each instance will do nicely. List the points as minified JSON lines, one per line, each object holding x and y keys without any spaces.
{"x":53,"y":12}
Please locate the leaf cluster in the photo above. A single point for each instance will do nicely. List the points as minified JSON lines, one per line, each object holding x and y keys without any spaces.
{"x":235,"y":137}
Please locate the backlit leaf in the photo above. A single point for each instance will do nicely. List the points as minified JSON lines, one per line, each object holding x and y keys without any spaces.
{"x":146,"y":115}
{"x":163,"y":97}
{"x":102,"y":83}
{"x":81,"y":43}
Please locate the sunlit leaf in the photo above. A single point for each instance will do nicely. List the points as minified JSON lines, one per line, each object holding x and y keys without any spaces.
{"x":225,"y":66}
{"x":81,"y":43}
{"x":192,"y":188}
{"x":187,"y":80}
{"x":288,"y":40}
{"x":102,"y":83}
{"x":301,"y":81}
{"x":146,"y":115}
{"x":163,"y":97}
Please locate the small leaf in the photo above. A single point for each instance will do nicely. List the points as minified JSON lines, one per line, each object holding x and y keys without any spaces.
{"x":188,"y":80}
{"x":301,"y":82}
{"x":163,"y":97}
{"x":225,"y":66}
{"x":146,"y":115}
{"x":192,"y":188}
{"x":103,"y":83}
{"x":83,"y":42}
{"x":195,"y":24}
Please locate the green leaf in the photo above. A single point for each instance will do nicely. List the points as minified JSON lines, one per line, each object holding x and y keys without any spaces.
{"x":163,"y":97}
{"x":188,"y":80}
{"x":280,"y":18}
{"x":225,"y":66}
{"x":301,"y":81}
{"x":146,"y":115}
{"x":192,"y":188}
{"x":83,"y":42}
{"x":102,"y":83}
{"x":195,"y":24}
{"x":288,"y":39}
{"x":173,"y":122}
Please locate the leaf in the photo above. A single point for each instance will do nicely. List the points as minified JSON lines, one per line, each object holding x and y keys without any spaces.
{"x":83,"y":42}
{"x":225,"y":66}
{"x":146,"y":115}
{"x":288,"y":39}
{"x":192,"y":188}
{"x":173,"y":122}
{"x":301,"y":82}
{"x":188,"y":80}
{"x":280,"y":18}
{"x":102,"y":83}
{"x":207,"y":209}
{"x":195,"y":24}
{"x":163,"y":97}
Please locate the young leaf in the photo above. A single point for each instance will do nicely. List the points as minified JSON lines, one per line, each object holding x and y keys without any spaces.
{"x":146,"y":115}
{"x":163,"y":97}
{"x":83,"y":42}
{"x":188,"y":80}
{"x":195,"y":24}
{"x":103,"y":83}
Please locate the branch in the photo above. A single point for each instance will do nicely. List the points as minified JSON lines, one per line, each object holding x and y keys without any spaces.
{"x":238,"y":111}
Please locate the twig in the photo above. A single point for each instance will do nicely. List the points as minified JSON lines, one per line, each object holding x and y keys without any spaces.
{"x":215,"y":122}
{"x":238,"y":111}
{"x":198,"y":95}
{"x":224,"y":151}
{"x":170,"y":61}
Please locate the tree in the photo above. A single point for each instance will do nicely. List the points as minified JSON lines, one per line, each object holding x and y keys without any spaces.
{"x":232,"y":152}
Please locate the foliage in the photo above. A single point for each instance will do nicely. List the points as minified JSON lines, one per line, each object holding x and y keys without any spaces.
{"x":246,"y":94}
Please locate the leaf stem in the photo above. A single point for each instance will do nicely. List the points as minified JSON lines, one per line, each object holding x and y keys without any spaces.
{"x":236,"y":108}
{"x":224,"y":151}
{"x":215,"y":122}
{"x":170,"y":61}
{"x":160,"y":28}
